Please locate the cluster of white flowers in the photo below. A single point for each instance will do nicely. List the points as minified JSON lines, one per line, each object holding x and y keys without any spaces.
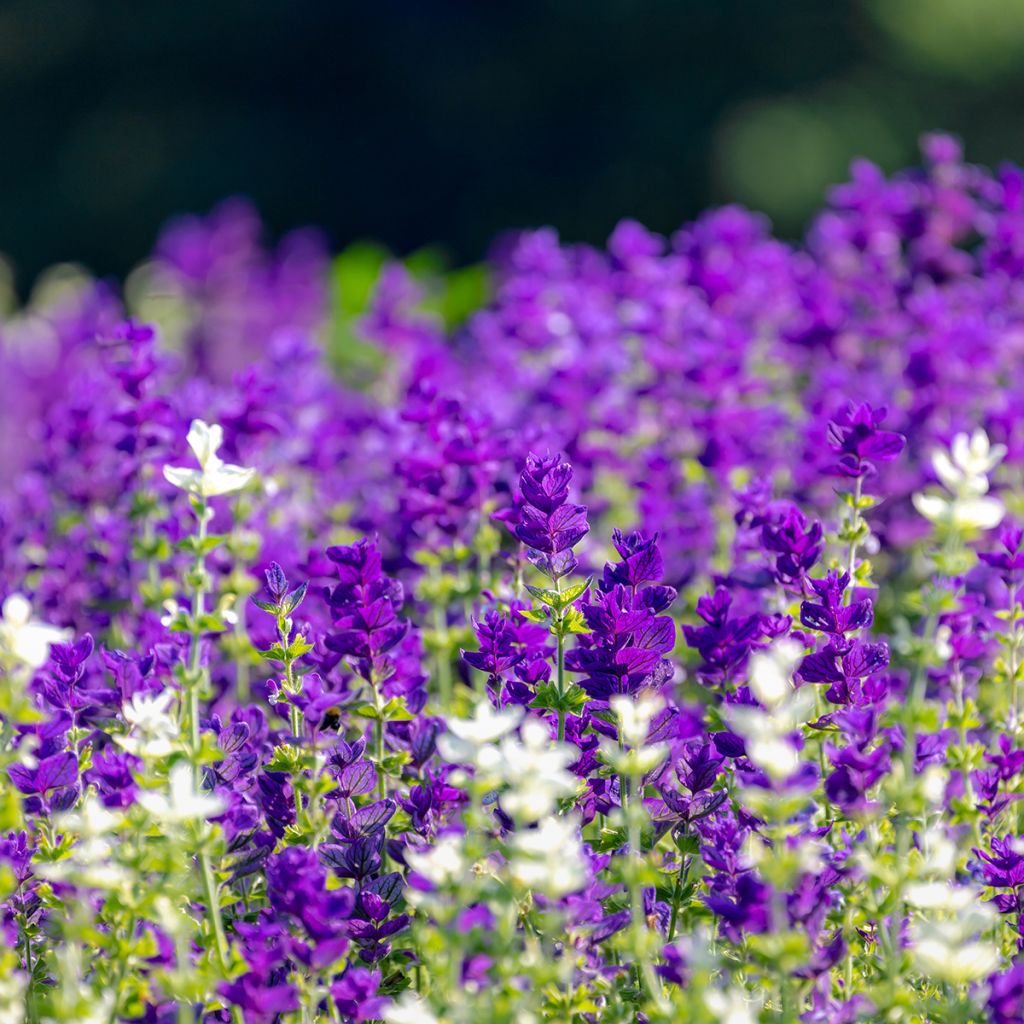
{"x":964,"y":471}
{"x":635,"y":715}
{"x":732,"y":1006}
{"x":214,"y":476}
{"x":530,"y":772}
{"x":442,"y":864}
{"x":153,"y":731}
{"x":549,"y":858}
{"x":183,"y":801}
{"x":529,"y":767}
{"x":767,"y":731}
{"x":91,"y":861}
{"x":12,"y":996}
{"x":409,"y":1008}
{"x":948,"y":948}
{"x":24,"y":639}
{"x":950,"y":915}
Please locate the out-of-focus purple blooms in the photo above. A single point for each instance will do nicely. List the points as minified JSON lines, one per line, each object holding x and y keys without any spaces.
{"x":1005,"y":1002}
{"x":355,"y":995}
{"x":1009,"y":561}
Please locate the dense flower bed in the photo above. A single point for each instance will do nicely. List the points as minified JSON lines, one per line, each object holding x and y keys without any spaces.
{"x":645,"y":645}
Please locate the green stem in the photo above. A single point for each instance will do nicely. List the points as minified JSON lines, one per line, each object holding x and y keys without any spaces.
{"x":854,"y":530}
{"x":677,"y":894}
{"x":560,"y":665}
{"x":213,"y":903}
{"x":196,"y":677}
{"x":30,"y":995}
{"x":444,"y":666}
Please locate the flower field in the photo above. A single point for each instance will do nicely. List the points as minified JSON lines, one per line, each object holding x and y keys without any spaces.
{"x":594,"y":635}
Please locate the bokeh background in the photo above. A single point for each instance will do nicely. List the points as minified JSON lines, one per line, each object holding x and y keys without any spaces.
{"x":441,"y":122}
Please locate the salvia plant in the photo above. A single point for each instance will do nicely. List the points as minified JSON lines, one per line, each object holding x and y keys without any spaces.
{"x":645,"y":643}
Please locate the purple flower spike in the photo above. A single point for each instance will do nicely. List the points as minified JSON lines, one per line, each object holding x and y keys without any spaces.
{"x":855,"y":436}
{"x":548,"y":524}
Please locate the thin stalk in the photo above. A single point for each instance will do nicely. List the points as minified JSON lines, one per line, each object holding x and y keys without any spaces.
{"x":195,"y":678}
{"x":560,"y":665}
{"x":851,"y":561}
{"x":677,"y":893}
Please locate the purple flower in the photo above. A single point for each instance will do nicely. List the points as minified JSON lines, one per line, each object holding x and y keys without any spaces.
{"x":857,"y":438}
{"x":355,"y":994}
{"x":831,"y":615}
{"x":548,"y":523}
{"x":1008,"y":562}
{"x":261,"y":1001}
{"x":1006,"y":995}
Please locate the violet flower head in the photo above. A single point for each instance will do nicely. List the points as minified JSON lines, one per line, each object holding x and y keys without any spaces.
{"x":549,"y":524}
{"x":831,"y":615}
{"x":796,"y":541}
{"x":365,"y":606}
{"x":857,"y":439}
{"x":1005,"y":1003}
{"x":1008,"y":561}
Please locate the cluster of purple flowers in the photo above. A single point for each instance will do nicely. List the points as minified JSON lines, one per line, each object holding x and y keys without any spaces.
{"x":810,"y":693}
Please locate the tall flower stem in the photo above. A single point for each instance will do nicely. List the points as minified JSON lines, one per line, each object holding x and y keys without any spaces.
{"x":560,"y":664}
{"x":194,"y":682}
{"x":855,"y":528}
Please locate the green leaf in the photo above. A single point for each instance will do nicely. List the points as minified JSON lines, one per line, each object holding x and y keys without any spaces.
{"x":532,"y":615}
{"x":197,"y":546}
{"x":549,"y":597}
{"x":571,"y":702}
{"x":298,"y":647}
{"x":574,"y":593}
{"x":573,"y":621}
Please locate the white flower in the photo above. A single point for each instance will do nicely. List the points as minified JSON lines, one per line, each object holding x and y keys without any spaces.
{"x":635,"y":715}
{"x":153,"y":732}
{"x":966,"y":467}
{"x":534,"y":771}
{"x":466,"y":736}
{"x":410,"y":1009}
{"x":442,"y":863}
{"x":731,"y":1007}
{"x":92,"y":820}
{"x":966,"y":513}
{"x":766,"y":733}
{"x":964,"y":472}
{"x":771,"y":671}
{"x":26,"y":639}
{"x":91,"y":862}
{"x":183,"y":801}
{"x":940,"y":896}
{"x":214,"y":476}
{"x":955,"y":962}
{"x":549,"y":858}
{"x":12,"y":997}
{"x":949,"y":950}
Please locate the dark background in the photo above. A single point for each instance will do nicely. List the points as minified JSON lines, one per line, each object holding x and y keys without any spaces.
{"x":438,"y":121}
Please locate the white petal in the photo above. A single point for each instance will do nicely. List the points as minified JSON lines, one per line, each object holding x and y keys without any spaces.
{"x":224,"y":479}
{"x":204,"y":439}
{"x":980,"y":513}
{"x":949,"y":475}
{"x":17,"y":611}
{"x":186,"y":479}
{"x":933,"y":507}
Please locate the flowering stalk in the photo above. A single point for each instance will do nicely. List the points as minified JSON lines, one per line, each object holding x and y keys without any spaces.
{"x":213,"y":478}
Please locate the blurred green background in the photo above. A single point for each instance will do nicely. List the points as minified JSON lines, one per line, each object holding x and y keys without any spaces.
{"x":442,"y":122}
